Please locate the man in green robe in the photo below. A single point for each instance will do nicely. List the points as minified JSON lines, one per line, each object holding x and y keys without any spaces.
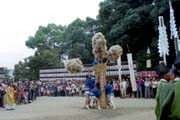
{"x":175,"y":107}
{"x":164,"y":93}
{"x":168,"y":96}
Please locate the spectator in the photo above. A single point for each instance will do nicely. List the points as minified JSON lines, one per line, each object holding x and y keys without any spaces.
{"x":129,"y":88}
{"x":117,"y":89}
{"x":123,"y":88}
{"x":139,"y":82}
{"x":154,"y":85}
{"x":41,"y":91}
{"x":2,"y":93}
{"x":147,"y":85}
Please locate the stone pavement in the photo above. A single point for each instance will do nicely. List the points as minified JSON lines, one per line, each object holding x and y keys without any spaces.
{"x":69,"y":108}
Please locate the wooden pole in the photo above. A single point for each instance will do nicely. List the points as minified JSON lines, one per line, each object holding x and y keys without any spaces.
{"x":100,"y":72}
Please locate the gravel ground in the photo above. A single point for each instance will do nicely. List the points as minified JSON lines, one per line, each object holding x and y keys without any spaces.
{"x":69,"y":108}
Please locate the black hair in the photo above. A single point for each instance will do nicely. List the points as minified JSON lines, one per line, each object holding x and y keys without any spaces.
{"x":111,"y":82}
{"x":98,"y":85}
{"x":87,"y":76}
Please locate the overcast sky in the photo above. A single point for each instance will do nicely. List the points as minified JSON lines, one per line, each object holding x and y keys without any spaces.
{"x":21,"y":18}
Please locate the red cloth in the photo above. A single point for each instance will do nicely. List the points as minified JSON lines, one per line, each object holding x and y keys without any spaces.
{"x":23,"y":93}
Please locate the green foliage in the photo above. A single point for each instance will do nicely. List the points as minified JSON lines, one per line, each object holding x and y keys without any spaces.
{"x":21,"y":71}
{"x":29,"y":70}
{"x":6,"y":74}
{"x":47,"y":43}
{"x":52,"y":42}
{"x":77,"y":38}
{"x":133,"y":24}
{"x":43,"y":59}
{"x":46,"y":37}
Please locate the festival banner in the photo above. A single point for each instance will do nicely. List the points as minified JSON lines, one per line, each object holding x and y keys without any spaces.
{"x":119,"y":67}
{"x":131,"y":70}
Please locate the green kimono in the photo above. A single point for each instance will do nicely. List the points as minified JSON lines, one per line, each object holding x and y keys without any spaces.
{"x":164,"y":100}
{"x":175,"y":109}
{"x":157,"y":110}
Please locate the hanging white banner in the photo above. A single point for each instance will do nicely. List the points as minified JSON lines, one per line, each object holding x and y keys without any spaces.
{"x":178,"y":42}
{"x":119,"y":67}
{"x":131,"y":70}
{"x":148,"y":63}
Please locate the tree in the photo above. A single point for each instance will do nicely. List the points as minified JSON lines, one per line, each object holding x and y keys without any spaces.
{"x":78,"y":37}
{"x":49,"y":37}
{"x":134,"y":24}
{"x":21,"y":71}
{"x":6,"y":74}
{"x":48,"y":43}
{"x":42,"y":59}
{"x":130,"y":23}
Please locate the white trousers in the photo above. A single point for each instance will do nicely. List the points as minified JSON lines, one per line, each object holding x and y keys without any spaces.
{"x":110,"y":101}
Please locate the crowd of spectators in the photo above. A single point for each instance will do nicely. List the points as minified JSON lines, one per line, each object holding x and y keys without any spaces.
{"x":61,"y":88}
{"x":146,"y":87}
{"x":27,"y":91}
{"x":24,"y":92}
